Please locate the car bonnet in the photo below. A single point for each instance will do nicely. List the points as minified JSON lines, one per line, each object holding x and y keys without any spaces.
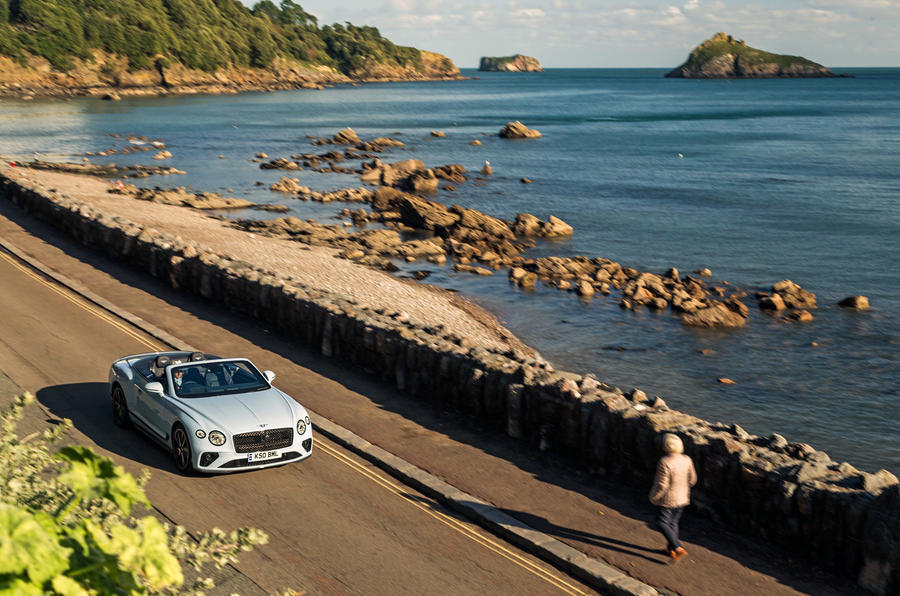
{"x":242,"y":412}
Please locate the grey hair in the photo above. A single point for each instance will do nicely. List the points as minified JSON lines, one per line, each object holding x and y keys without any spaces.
{"x":672,"y":443}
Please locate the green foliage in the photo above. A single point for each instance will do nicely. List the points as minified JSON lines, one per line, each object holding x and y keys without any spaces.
{"x":722,"y":44}
{"x":201,"y":34}
{"x":66,"y":524}
{"x":355,"y":48}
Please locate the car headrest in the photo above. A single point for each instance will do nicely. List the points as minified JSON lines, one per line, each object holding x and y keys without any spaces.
{"x":159,"y":366}
{"x":196,"y":356}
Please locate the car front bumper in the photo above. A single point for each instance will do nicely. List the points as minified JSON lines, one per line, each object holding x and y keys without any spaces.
{"x":223,"y":462}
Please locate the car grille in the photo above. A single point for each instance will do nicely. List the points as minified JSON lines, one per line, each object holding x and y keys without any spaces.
{"x":262,"y":440}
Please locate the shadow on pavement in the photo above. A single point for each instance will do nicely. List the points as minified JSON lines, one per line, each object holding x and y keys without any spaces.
{"x":87,"y":405}
{"x":571,"y":535}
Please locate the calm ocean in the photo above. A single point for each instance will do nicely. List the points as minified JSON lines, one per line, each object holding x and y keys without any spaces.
{"x":758,"y":180}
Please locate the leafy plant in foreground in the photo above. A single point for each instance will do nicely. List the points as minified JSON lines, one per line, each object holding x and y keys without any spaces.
{"x":66,"y":523}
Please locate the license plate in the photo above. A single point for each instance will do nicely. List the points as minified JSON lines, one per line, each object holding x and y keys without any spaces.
{"x":261,"y":455}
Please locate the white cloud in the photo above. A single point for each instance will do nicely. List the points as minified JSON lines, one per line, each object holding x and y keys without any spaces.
{"x":528,"y":13}
{"x":692,"y":5}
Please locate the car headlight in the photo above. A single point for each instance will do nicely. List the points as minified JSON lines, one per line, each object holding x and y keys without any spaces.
{"x":301,"y":427}
{"x":217,"y":438}
{"x":200,"y":433}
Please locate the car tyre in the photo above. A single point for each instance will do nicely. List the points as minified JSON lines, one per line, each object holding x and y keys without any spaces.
{"x":120,"y":408}
{"x":181,"y":450}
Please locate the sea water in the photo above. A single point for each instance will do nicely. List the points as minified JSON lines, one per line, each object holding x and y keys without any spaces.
{"x":758,"y":180}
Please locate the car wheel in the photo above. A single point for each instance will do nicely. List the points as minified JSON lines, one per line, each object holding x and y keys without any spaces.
{"x":181,"y":450}
{"x":120,"y":408}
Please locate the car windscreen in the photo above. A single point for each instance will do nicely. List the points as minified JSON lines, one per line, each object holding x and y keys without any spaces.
{"x":206,"y":379}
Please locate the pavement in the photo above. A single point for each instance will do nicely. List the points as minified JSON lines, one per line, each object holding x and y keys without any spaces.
{"x":595,"y":529}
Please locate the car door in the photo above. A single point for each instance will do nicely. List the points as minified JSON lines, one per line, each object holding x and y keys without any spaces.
{"x":140,"y":407}
{"x":154,"y":409}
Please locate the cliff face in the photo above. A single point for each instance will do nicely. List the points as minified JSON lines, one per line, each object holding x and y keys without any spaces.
{"x":109,"y":75}
{"x":723,"y":57}
{"x":430,"y":66}
{"x":517,"y":63}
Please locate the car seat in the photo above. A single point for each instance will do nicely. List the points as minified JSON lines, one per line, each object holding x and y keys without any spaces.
{"x":158,"y":368}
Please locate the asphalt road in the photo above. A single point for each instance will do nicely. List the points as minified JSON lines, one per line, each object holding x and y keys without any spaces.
{"x":336,"y":524}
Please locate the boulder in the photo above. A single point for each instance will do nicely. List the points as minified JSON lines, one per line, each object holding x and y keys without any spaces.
{"x":855,"y":302}
{"x":346,"y":136}
{"x":716,"y":315}
{"x":453,"y":172}
{"x":527,"y":225}
{"x":472,"y":269}
{"x":793,"y":295}
{"x":555,"y":227}
{"x":800,"y":316}
{"x":421,"y":182}
{"x":289,"y":185}
{"x":878,"y":481}
{"x":737,"y":306}
{"x":517,"y":130}
{"x":584,"y":288}
{"x":773,"y":302}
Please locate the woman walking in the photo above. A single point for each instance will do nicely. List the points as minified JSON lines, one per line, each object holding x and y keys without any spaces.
{"x":671,"y":492}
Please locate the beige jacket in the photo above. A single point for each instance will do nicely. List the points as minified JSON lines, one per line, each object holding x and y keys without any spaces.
{"x":675,"y":476}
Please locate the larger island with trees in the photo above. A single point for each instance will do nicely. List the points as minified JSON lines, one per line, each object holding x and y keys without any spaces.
{"x":724,"y":57}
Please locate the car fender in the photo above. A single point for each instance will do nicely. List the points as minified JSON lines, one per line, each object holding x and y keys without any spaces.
{"x":122,"y":374}
{"x":296,"y":407}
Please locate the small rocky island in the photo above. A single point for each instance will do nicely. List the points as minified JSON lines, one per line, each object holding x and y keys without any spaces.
{"x":724,"y":57}
{"x":517,"y":63}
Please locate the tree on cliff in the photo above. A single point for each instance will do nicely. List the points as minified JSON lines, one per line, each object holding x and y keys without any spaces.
{"x":201,"y":34}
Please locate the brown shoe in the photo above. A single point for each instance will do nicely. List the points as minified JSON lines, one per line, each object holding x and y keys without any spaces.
{"x":676,"y":555}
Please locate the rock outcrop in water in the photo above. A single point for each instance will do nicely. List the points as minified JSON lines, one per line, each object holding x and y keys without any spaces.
{"x":517,"y":130}
{"x":724,"y":57}
{"x":516,"y":63}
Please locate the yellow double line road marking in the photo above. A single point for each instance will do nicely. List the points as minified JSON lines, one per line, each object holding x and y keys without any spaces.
{"x":79,"y":301}
{"x":386,"y":483}
{"x":492,"y":545}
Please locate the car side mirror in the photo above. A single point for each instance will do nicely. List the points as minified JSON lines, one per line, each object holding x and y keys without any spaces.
{"x":269,"y":375}
{"x":154,"y":387}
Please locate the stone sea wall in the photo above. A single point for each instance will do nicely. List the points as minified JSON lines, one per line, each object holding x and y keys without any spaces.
{"x":789,"y":493}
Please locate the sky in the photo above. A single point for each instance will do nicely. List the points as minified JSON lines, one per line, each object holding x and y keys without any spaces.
{"x":620,"y":33}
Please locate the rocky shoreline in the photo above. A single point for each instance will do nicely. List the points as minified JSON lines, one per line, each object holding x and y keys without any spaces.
{"x":788,"y":492}
{"x":38,"y":79}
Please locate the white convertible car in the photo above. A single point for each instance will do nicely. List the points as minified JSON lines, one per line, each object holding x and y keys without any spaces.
{"x":214,"y":414}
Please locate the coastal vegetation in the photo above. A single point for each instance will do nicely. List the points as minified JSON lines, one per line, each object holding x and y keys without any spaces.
{"x":723,"y":56}
{"x":205,"y":35}
{"x":69,"y":523}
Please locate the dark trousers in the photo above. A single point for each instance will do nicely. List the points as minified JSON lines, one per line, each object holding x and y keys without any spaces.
{"x":667,"y":519}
